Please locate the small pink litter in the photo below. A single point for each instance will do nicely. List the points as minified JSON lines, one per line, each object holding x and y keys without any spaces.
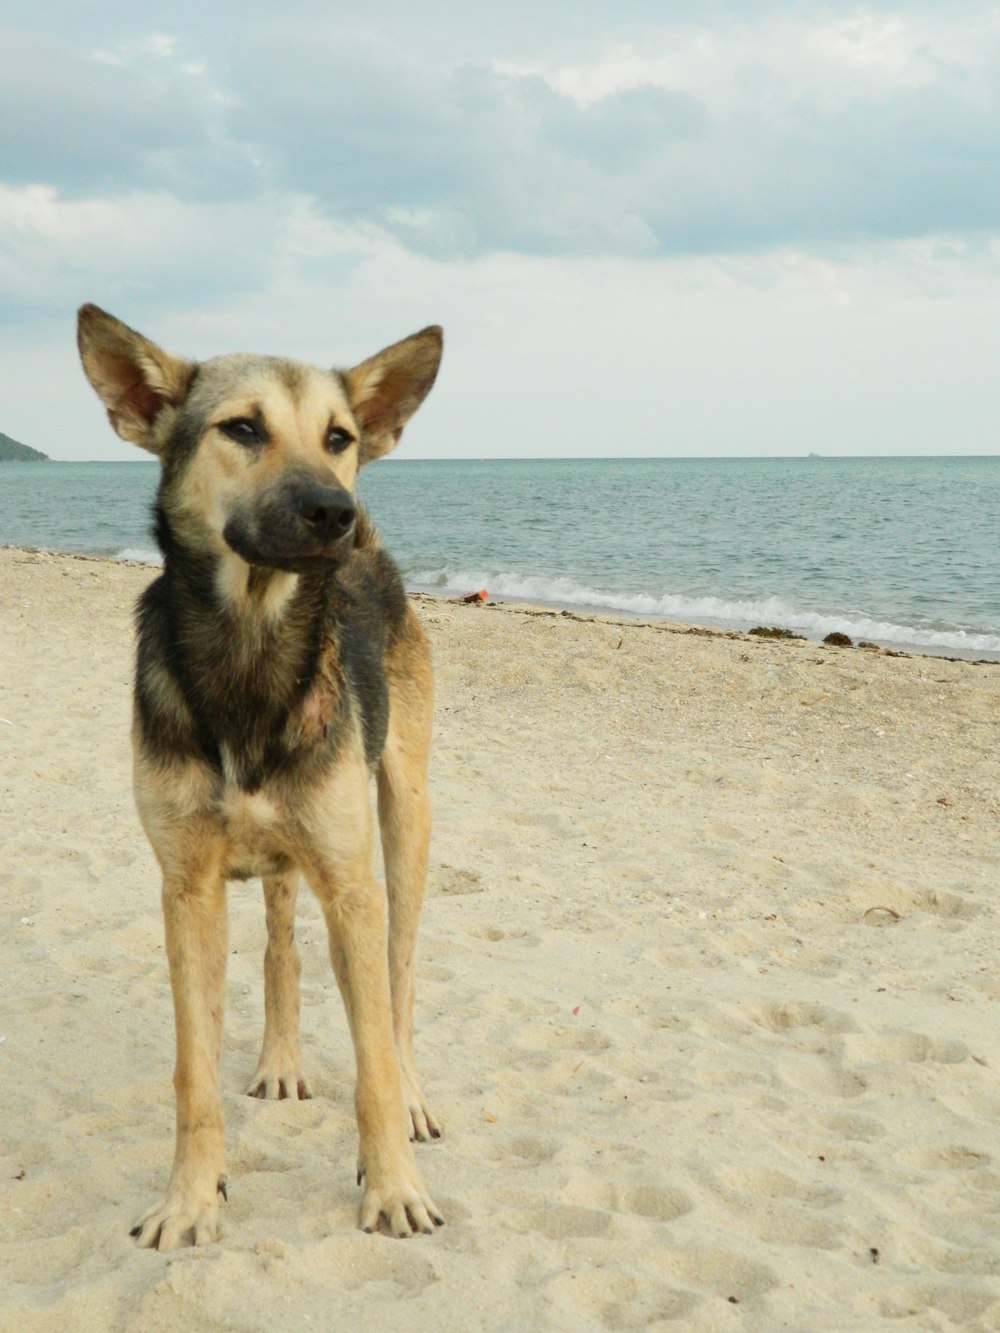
{"x":576,"y":1011}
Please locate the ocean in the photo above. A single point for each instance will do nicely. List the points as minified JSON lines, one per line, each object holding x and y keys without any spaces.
{"x":900,"y":551}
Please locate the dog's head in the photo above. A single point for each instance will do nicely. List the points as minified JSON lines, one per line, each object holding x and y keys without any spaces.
{"x":260,"y":455}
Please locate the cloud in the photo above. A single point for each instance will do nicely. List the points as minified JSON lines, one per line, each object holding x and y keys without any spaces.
{"x":122,"y":117}
{"x":770,"y":126}
{"x":144,"y":249}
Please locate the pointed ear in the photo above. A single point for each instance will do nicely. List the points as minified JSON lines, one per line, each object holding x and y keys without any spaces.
{"x":387,"y":389}
{"x":134,"y":379}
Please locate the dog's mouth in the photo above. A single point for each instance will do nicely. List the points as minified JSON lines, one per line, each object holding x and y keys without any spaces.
{"x":301,"y":527}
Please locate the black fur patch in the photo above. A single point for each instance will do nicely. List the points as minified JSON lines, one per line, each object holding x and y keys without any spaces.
{"x":236,"y":687}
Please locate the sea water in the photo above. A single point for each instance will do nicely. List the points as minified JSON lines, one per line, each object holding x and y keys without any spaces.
{"x":902,"y":551}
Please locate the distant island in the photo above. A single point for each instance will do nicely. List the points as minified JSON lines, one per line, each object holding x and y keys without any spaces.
{"x":12,"y":452}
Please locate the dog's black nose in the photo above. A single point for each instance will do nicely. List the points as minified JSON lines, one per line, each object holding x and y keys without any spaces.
{"x":328,"y":510}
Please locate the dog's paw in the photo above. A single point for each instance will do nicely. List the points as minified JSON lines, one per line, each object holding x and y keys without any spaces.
{"x":279,"y":1081}
{"x":180,"y":1220}
{"x":402,"y":1205}
{"x":424,"y":1124}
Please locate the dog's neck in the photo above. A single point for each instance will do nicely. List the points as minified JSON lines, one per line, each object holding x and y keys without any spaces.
{"x":245,"y":627}
{"x":252,"y":592}
{"x":241,"y":626}
{"x":247,"y":649}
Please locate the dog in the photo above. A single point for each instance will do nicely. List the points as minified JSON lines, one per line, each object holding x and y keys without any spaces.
{"x":278,"y":664}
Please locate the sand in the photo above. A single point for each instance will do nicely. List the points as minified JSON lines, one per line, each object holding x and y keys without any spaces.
{"x":707,"y":996}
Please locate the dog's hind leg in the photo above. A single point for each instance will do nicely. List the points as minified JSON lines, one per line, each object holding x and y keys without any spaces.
{"x":279,"y":1072}
{"x":405,"y":825}
{"x":194,"y":909}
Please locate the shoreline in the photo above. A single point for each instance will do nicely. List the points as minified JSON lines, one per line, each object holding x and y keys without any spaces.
{"x":582,"y":611}
{"x":775,"y":633}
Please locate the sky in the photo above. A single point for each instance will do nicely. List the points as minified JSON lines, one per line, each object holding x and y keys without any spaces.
{"x":649,"y":228}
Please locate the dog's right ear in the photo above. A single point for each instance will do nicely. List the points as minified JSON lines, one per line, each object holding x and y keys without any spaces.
{"x":134,"y":379}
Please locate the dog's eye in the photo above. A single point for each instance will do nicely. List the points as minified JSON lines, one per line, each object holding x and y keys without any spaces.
{"x":242,"y":430}
{"x":338,"y":439}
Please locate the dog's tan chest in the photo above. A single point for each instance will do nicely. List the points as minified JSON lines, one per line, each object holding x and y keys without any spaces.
{"x":252,"y":825}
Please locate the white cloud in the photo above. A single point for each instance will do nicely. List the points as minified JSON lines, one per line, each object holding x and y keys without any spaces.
{"x":835,"y":60}
{"x":773,"y":126}
{"x":158,"y":45}
{"x":151,"y":248}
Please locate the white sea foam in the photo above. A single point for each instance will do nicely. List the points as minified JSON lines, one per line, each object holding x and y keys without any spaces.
{"x":140,"y":555}
{"x":715,"y":611}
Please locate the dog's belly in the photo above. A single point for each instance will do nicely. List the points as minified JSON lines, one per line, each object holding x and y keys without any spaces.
{"x":255,"y":866}
{"x":252,"y":825}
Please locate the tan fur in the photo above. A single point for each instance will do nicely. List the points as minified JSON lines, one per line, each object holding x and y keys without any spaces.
{"x":205,"y":827}
{"x":405,"y":825}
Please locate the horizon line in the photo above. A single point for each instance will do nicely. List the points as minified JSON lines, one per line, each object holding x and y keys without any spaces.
{"x":597,"y":458}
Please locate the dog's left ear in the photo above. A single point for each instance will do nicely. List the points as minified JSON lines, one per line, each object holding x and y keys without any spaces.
{"x":387,"y":389}
{"x":134,"y":379}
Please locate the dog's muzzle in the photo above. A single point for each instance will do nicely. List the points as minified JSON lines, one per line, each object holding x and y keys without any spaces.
{"x":294,"y":527}
{"x":327,"y":511}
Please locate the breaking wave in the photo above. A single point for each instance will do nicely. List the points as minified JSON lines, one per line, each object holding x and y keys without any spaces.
{"x":717,"y":612}
{"x":140,"y":555}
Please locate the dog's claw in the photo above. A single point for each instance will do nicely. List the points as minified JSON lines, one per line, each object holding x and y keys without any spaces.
{"x":222,"y":1188}
{"x":403,"y":1206}
{"x":269,"y":1083}
{"x":423,"y":1124}
{"x":175,"y":1225}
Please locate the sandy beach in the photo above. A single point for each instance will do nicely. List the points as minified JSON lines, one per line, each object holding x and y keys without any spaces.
{"x":707,"y":995}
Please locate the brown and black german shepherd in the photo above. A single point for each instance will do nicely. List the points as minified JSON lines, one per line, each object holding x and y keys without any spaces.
{"x":278,"y":665}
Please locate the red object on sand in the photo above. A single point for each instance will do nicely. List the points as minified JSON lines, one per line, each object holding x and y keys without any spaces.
{"x":479,"y":596}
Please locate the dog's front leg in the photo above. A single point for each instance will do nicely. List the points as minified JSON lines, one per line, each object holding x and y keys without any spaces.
{"x":394,"y":1189}
{"x":194,"y":909}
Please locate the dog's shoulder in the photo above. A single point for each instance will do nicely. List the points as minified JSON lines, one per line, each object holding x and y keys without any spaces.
{"x":169,"y":726}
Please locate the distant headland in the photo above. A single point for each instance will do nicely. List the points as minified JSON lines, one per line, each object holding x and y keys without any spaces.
{"x":12,"y":452}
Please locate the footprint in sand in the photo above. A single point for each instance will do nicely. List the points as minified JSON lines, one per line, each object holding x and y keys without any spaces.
{"x":659,"y":1204}
{"x":721,"y":1272}
{"x":905,"y":1047}
{"x":457,"y":881}
{"x":781,"y":1210}
{"x":497,"y":933}
{"x":528,"y":1152}
{"x":753,"y":1184}
{"x":565,"y":1222}
{"x":910,"y":903}
{"x":802,"y":1014}
{"x":948,"y":1158}
{"x":855,"y":1128}
{"x":593,"y":1297}
{"x":961,"y":1304}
